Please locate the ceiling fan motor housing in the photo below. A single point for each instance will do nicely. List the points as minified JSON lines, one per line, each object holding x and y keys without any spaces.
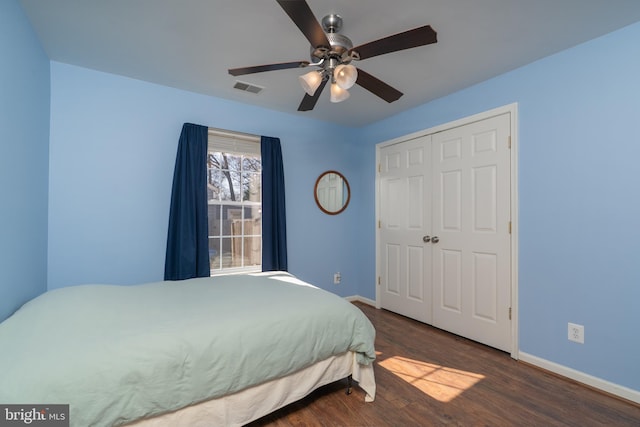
{"x":340,"y":44}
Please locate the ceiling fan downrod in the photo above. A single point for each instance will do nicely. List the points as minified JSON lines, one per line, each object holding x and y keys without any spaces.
{"x":340,"y":44}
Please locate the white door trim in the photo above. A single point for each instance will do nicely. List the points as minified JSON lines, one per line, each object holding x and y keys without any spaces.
{"x":512,"y":109}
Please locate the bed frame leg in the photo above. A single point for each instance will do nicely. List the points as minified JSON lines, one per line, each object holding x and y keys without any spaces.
{"x":349,"y":384}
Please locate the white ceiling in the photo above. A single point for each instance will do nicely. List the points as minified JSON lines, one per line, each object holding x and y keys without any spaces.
{"x":190,"y":44}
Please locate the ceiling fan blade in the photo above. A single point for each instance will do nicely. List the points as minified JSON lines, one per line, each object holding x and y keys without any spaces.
{"x":268,"y":67}
{"x":377,"y":87}
{"x":409,"y":39}
{"x":308,"y":102}
{"x":301,"y":15}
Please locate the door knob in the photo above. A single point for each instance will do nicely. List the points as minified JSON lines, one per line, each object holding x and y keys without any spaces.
{"x":435,"y":239}
{"x":426,"y":239}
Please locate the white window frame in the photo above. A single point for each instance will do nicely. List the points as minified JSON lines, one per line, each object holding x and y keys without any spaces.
{"x":239,"y":144}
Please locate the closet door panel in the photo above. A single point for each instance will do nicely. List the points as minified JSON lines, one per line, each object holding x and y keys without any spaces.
{"x":405,"y":218}
{"x":471,"y":214}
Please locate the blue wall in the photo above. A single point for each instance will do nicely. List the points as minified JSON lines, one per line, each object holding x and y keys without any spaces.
{"x":24,"y":127}
{"x":579,"y":201}
{"x":113,"y":148}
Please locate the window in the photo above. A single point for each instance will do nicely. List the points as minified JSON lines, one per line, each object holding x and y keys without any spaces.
{"x":234,"y":191}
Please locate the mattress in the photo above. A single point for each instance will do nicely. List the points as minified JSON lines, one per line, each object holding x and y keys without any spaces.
{"x":117,"y":354}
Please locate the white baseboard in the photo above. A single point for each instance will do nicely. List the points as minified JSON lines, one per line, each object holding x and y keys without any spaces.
{"x":599,"y":383}
{"x":364,"y":300}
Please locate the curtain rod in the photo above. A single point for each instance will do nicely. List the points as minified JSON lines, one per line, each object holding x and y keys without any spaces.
{"x":236,"y":135}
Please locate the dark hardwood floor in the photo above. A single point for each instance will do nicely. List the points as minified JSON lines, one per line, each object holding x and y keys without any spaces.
{"x":428,"y":377}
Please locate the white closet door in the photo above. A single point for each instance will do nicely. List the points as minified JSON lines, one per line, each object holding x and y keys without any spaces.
{"x":471,"y":220}
{"x":405,"y":218}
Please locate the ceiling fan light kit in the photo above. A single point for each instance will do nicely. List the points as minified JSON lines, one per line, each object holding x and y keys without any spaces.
{"x":311,"y":81}
{"x":338,"y":94}
{"x":345,"y":75}
{"x":333,"y":53}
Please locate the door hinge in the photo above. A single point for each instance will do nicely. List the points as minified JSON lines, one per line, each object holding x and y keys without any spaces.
{"x":509,"y":313}
{"x":379,"y":281}
{"x":379,"y":224}
{"x":379,"y":167}
{"x":509,"y":143}
{"x":509,"y":227}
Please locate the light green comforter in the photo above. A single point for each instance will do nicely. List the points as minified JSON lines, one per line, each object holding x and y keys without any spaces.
{"x":118,"y":353}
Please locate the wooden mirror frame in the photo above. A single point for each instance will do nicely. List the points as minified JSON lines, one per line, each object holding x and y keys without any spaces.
{"x":346,"y":187}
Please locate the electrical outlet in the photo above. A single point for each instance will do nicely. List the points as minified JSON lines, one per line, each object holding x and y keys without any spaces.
{"x":336,"y":278}
{"x":576,"y":333}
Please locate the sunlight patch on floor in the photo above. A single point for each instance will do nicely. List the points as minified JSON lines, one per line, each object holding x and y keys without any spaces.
{"x":439,"y":382}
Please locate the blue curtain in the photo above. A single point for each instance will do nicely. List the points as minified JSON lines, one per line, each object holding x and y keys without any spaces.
{"x":187,"y":240}
{"x":274,"y":229}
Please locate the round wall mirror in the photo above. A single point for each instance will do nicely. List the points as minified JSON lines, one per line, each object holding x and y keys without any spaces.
{"x":332,"y":192}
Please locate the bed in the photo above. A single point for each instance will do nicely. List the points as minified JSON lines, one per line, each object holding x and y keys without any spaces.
{"x":225,"y":350}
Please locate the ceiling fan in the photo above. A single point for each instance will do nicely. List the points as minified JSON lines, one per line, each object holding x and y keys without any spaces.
{"x":333,"y":53}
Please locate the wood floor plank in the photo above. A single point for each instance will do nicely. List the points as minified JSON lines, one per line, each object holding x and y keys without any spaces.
{"x":428,"y":377}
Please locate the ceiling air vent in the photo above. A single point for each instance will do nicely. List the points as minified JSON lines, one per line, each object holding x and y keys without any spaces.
{"x":248,"y":87}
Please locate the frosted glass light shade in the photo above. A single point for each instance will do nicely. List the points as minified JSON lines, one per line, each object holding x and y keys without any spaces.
{"x":345,"y":75}
{"x":310,"y":82}
{"x":337,"y":93}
